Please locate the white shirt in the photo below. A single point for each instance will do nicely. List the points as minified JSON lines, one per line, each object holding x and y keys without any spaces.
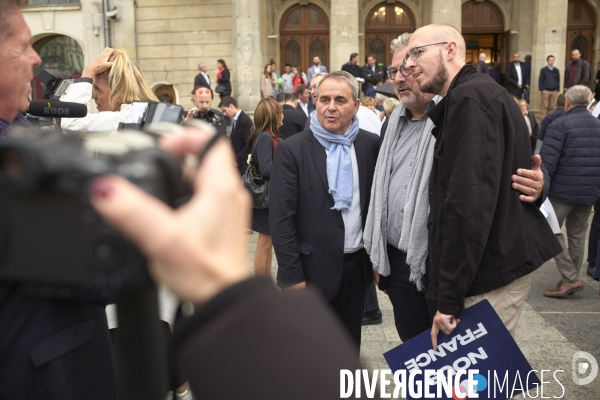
{"x":368,"y":121}
{"x":304,"y":107}
{"x":353,"y":233}
{"x":206,"y":77}
{"x":520,"y":76}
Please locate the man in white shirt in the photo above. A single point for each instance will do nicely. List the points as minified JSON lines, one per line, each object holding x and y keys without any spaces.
{"x":516,"y":78}
{"x":304,"y":99}
{"x":202,"y":79}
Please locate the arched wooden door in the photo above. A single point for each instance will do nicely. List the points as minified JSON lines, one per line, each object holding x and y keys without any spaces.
{"x":57,"y":52}
{"x":386,"y":22}
{"x":581,"y":23}
{"x":483,"y":30}
{"x":304,"y":34}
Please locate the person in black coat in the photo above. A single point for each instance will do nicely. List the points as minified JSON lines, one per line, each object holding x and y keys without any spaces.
{"x":202,"y":79}
{"x":240,"y":133}
{"x":473,"y":253}
{"x":353,"y":68}
{"x":223,"y":78}
{"x":532,"y":124}
{"x":294,"y":120}
{"x":316,"y":245}
{"x":516,"y":77}
{"x":368,"y":71}
{"x":262,"y":143}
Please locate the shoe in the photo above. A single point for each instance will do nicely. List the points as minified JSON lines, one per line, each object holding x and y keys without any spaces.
{"x":590,"y":271}
{"x":563,"y":289}
{"x":372,"y":317}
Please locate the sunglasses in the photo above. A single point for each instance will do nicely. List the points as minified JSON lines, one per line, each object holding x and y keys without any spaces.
{"x":203,"y":91}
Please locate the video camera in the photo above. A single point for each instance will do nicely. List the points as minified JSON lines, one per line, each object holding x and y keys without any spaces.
{"x":55,"y":82}
{"x":49,"y":232}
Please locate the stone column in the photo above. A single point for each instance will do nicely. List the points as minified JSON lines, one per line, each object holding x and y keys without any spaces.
{"x":247,"y":53}
{"x":343,"y":33}
{"x":549,"y":37}
{"x":447,"y":12}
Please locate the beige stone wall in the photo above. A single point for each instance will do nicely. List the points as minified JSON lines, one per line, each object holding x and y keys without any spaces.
{"x":175,"y":36}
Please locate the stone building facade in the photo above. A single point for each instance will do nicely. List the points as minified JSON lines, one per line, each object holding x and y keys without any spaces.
{"x":168,"y":38}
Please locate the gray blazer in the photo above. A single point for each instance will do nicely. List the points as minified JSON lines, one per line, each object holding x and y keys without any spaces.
{"x":582,"y":74}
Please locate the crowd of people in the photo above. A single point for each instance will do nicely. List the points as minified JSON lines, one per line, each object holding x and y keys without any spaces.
{"x":402,"y":195}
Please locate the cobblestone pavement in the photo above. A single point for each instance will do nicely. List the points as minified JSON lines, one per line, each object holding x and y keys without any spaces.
{"x":549,"y":332}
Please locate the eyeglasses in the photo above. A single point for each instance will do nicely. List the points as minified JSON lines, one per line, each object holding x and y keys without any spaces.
{"x":391,"y":73}
{"x":415,"y":52}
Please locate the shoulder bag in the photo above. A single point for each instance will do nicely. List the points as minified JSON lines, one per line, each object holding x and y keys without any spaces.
{"x":255,"y":183}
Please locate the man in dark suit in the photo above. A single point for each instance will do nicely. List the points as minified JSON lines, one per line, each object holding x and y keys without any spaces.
{"x":516,"y":78}
{"x":293,"y":119}
{"x":353,"y":68}
{"x":304,"y":101}
{"x":50,"y":348}
{"x":370,"y":70}
{"x":202,"y":79}
{"x":319,"y":196}
{"x":242,"y":127}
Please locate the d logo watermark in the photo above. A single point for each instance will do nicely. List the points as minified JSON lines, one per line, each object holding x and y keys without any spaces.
{"x":580,"y":367}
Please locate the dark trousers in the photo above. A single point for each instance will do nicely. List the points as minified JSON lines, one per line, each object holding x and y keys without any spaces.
{"x":371,"y":302}
{"x":413,"y":313}
{"x":349,"y":301}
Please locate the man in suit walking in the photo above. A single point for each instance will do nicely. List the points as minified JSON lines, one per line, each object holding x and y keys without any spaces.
{"x":242,"y":127}
{"x":516,"y":77}
{"x":202,"y":79}
{"x":319,"y":197}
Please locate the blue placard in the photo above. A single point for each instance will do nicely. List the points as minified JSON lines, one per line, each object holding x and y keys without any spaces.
{"x":480,"y":342}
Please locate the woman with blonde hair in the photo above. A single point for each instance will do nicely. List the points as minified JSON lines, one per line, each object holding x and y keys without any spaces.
{"x":114,"y":82}
{"x":262,"y":142}
{"x":267,"y":82}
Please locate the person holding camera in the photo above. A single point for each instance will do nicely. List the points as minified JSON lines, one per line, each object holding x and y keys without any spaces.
{"x":114,"y":82}
{"x":202,"y":97}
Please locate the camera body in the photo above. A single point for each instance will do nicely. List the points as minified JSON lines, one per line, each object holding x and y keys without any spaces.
{"x":56,"y":83}
{"x":49,"y":232}
{"x":213,"y":117}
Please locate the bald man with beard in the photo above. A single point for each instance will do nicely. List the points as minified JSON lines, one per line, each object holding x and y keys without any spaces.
{"x":483,"y":242}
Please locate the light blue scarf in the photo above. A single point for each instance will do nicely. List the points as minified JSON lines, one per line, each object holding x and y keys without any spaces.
{"x":339,"y":161}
